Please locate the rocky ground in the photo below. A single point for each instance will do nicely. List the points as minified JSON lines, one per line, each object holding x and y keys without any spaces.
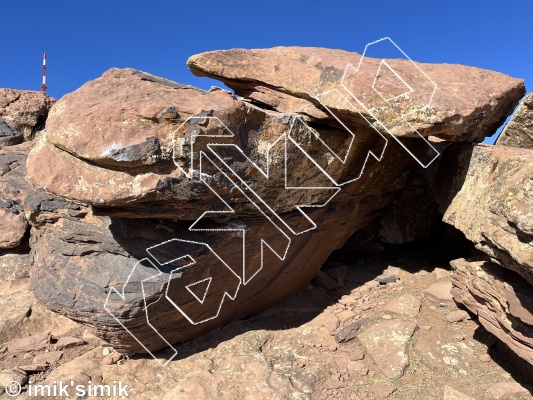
{"x":369,"y":327}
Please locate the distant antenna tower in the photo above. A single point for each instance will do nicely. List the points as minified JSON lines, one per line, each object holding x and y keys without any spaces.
{"x":43,"y":86}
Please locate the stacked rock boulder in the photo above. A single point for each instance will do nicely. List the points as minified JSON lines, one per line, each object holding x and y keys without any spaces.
{"x":494,"y":209}
{"x":158,"y":218}
{"x":21,"y":112}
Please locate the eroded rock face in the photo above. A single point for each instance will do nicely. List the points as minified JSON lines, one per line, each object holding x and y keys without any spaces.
{"x":24,"y":111}
{"x":125,"y":181}
{"x":494,"y":207}
{"x":519,"y":130}
{"x":8,"y":135}
{"x":14,"y":188}
{"x":501,"y":300}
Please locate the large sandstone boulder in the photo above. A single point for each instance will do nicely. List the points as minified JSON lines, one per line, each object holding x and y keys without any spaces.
{"x":446,"y":100}
{"x":501,"y":299}
{"x":519,"y":130}
{"x":25,"y":111}
{"x":172,"y":210}
{"x":494,"y":207}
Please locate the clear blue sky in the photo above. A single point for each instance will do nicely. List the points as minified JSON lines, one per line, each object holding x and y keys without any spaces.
{"x":84,"y":39}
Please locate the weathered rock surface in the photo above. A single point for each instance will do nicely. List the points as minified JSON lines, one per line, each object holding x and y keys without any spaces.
{"x":123,"y":144}
{"x":15,"y":186}
{"x":386,"y":342}
{"x":459,"y":108}
{"x":289,"y":351}
{"x":501,"y":300}
{"x":8,"y":135}
{"x":406,"y":305}
{"x":511,"y":390}
{"x":24,"y":111}
{"x":494,"y":207}
{"x":519,"y":130}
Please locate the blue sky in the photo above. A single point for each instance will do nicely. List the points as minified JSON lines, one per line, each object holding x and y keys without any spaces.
{"x":84,"y":39}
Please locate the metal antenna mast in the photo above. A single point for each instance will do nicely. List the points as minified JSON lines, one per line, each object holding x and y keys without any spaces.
{"x":43,"y":86}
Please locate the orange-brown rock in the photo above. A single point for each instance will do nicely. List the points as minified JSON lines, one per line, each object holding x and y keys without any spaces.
{"x":15,"y":186}
{"x":501,"y":300}
{"x":112,"y":237}
{"x":519,"y":130}
{"x":468,"y":103}
{"x":24,"y":110}
{"x":494,"y":206}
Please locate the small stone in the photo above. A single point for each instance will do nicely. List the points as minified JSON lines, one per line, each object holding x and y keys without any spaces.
{"x":371,"y":284}
{"x":112,"y":358}
{"x":426,"y":327}
{"x":106,"y":351}
{"x":347,"y":300}
{"x":88,"y":336}
{"x":459,"y":337}
{"x":344,"y":316}
{"x":29,"y":344}
{"x":511,"y":390}
{"x":386,"y":343}
{"x":357,"y":355}
{"x":484,"y":358}
{"x":382,"y":391}
{"x":332,"y":348}
{"x":34,"y":367}
{"x":407,"y":305}
{"x":68,"y":342}
{"x":384,"y":278}
{"x":457,"y":316}
{"x":440,"y":293}
{"x":12,"y":378}
{"x":350,"y":331}
{"x":51,"y":358}
{"x":452,"y":394}
{"x":441,"y":273}
{"x":334,"y":383}
{"x":386,"y":316}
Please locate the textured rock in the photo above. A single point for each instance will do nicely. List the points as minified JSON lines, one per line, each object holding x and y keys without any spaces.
{"x":501,"y":300}
{"x":406,"y":305}
{"x":67,"y":343}
{"x":8,"y":135}
{"x":457,"y":316}
{"x":29,"y":344}
{"x":519,"y":130}
{"x":10,"y":380}
{"x":386,"y":343}
{"x":14,"y":188}
{"x":13,"y":229}
{"x":24,"y":110}
{"x":468,"y":103}
{"x":105,"y":245}
{"x":120,"y":144}
{"x":453,"y":394}
{"x":440,"y":293}
{"x":494,"y":208}
{"x":510,"y":390}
